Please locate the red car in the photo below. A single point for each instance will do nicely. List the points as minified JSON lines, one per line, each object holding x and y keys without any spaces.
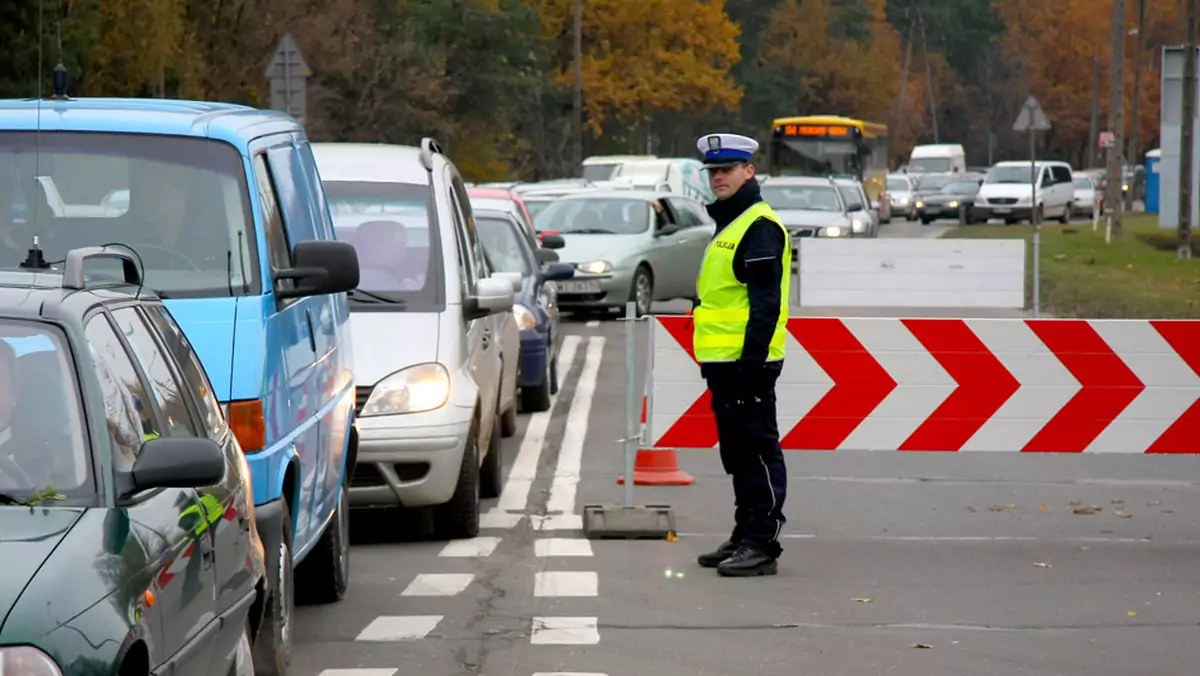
{"x":500,"y":199}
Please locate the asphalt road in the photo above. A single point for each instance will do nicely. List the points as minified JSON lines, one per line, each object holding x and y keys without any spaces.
{"x":901,"y":564}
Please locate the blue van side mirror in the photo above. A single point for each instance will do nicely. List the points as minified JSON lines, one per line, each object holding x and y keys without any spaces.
{"x":558,"y":271}
{"x":321,"y":267}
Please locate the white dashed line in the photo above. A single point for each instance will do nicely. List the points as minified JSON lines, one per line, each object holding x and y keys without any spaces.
{"x":515,"y":496}
{"x":562,"y":547}
{"x":567,"y":673}
{"x":593,"y":323}
{"x":399,"y":628}
{"x":570,"y":451}
{"x":557,"y":522}
{"x":495,"y":519}
{"x":367,"y":672}
{"x":566,"y":583}
{"x":438,"y":584}
{"x":565,"y":631}
{"x":473,"y":548}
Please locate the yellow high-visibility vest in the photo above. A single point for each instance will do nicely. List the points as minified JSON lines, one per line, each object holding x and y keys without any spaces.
{"x":724,"y":311}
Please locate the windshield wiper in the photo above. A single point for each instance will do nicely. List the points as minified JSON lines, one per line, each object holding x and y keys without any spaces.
{"x":362,"y":296}
{"x":590,"y":231}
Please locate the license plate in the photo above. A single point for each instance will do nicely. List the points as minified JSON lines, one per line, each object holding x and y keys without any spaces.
{"x":1004,"y":210}
{"x":588,"y":286}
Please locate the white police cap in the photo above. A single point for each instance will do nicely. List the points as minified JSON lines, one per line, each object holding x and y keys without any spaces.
{"x":723,"y":150}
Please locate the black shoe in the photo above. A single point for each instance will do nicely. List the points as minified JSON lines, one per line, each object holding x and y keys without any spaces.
{"x":714,"y":558}
{"x":747,"y":561}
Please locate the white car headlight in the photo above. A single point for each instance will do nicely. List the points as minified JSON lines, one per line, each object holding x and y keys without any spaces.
{"x":858,"y":225}
{"x":920,"y":204}
{"x":525,"y":320}
{"x":952,"y":204}
{"x":901,"y":200}
{"x":419,"y":388}
{"x":1023,"y":200}
{"x":27,"y":661}
{"x":595,"y":267}
{"x":833,"y":231}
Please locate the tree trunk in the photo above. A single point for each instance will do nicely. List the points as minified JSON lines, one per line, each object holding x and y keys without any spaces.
{"x":1116,"y":115}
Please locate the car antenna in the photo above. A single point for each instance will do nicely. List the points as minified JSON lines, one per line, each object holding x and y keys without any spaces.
{"x":35,"y":260}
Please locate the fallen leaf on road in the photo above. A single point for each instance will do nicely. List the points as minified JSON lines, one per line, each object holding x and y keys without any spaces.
{"x":672,"y":537}
{"x":1041,"y":508}
{"x":1132,"y":613}
{"x":924,"y":646}
{"x":1088,"y":509}
{"x":1122,"y":515}
{"x":1075,"y":503}
{"x":1040,"y":564}
{"x":1154,"y":503}
{"x":1001,"y":508}
{"x":1117,"y":502}
{"x":863,"y":599}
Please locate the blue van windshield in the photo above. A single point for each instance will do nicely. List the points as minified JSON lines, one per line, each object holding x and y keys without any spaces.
{"x":180,"y":202}
{"x":399,"y":254}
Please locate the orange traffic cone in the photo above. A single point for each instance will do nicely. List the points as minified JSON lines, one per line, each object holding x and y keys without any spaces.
{"x":657,"y":466}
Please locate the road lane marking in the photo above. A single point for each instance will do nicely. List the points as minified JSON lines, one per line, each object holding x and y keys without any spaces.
{"x":562,"y":547}
{"x":360,"y":672}
{"x":495,"y":519}
{"x":557,"y":522}
{"x":515,"y":496}
{"x":570,"y":452}
{"x":438,"y":584}
{"x":593,"y":323}
{"x":399,"y":628}
{"x":568,"y":673}
{"x":473,"y":548}
{"x":565,"y":583}
{"x":565,"y":631}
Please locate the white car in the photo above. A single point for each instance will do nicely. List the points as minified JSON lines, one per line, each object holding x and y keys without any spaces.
{"x":432,"y":329}
{"x":1087,"y":200}
{"x":900,"y":197}
{"x":1007,"y":192}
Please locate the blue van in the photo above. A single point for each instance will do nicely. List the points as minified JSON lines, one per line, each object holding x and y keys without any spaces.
{"x":224,"y":206}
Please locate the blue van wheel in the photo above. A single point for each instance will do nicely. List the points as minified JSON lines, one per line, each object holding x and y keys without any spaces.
{"x":325,"y":573}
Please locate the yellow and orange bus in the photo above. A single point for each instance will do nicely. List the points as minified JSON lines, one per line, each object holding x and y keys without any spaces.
{"x":830,"y":145}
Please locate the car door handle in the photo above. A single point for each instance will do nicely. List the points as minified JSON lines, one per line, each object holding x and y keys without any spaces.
{"x":207,"y":556}
{"x":486,"y":339}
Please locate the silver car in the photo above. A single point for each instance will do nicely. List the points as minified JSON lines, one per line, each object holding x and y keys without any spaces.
{"x":813,"y":207}
{"x":433,"y":329}
{"x":627,"y":245}
{"x":858,"y":205}
{"x":900,"y":197}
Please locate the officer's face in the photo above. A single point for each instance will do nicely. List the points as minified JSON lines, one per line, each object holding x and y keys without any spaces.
{"x":725,"y":181}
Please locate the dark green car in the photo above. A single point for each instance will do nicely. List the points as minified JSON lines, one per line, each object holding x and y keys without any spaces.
{"x":126,"y":516}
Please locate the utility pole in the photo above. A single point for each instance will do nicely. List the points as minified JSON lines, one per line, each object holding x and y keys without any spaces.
{"x":1135,"y":127}
{"x":933,"y":114}
{"x":899,"y":117}
{"x":578,"y":97}
{"x":1187,"y":121}
{"x":1116,"y":114}
{"x":1093,"y":136}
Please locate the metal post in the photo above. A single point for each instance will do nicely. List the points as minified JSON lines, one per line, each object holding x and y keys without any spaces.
{"x":631,"y":407}
{"x":1033,"y":218}
{"x":647,"y":437}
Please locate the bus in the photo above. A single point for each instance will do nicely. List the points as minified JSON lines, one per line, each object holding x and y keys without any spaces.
{"x":830,"y":145}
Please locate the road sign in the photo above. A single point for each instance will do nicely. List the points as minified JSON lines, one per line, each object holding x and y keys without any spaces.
{"x":1108,"y":139}
{"x":1032,"y":117}
{"x":288,"y":75}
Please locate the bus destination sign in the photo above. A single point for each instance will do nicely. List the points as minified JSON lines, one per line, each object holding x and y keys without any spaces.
{"x":821,"y":130}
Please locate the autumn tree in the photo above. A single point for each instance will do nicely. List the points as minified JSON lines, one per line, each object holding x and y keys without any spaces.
{"x":643,"y":57}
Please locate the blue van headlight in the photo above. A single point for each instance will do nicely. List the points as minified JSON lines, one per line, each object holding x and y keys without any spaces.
{"x":423,"y":387}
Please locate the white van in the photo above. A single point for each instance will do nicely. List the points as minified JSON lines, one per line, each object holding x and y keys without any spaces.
{"x":1008,"y":194}
{"x":602,"y":167}
{"x":939,"y":158}
{"x":684,"y":175}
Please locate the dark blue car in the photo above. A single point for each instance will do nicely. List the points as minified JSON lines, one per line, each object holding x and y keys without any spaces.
{"x":535,"y":306}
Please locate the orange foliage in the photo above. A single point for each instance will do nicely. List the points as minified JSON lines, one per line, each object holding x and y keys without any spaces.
{"x":649,"y":55}
{"x":1056,"y":41}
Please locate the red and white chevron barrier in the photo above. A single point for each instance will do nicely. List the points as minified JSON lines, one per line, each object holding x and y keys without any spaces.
{"x":1049,"y":385}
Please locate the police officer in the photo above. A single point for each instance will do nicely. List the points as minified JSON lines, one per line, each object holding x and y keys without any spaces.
{"x":740,"y":327}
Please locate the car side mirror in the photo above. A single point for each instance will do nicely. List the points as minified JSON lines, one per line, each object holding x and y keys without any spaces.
{"x":556,"y":271}
{"x":492,"y":295}
{"x":854,"y":206}
{"x":320,"y":267}
{"x":552,"y":240}
{"x":668,"y":229}
{"x":545,"y":256}
{"x":516,"y":279}
{"x":176,"y":462}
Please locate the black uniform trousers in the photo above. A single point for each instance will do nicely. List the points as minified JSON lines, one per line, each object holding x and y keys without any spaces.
{"x":743,"y":401}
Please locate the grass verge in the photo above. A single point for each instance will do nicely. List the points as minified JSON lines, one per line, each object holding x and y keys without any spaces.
{"x":1136,"y":276}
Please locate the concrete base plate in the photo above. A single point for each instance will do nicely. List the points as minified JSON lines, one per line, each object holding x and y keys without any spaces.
{"x":639,"y":522}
